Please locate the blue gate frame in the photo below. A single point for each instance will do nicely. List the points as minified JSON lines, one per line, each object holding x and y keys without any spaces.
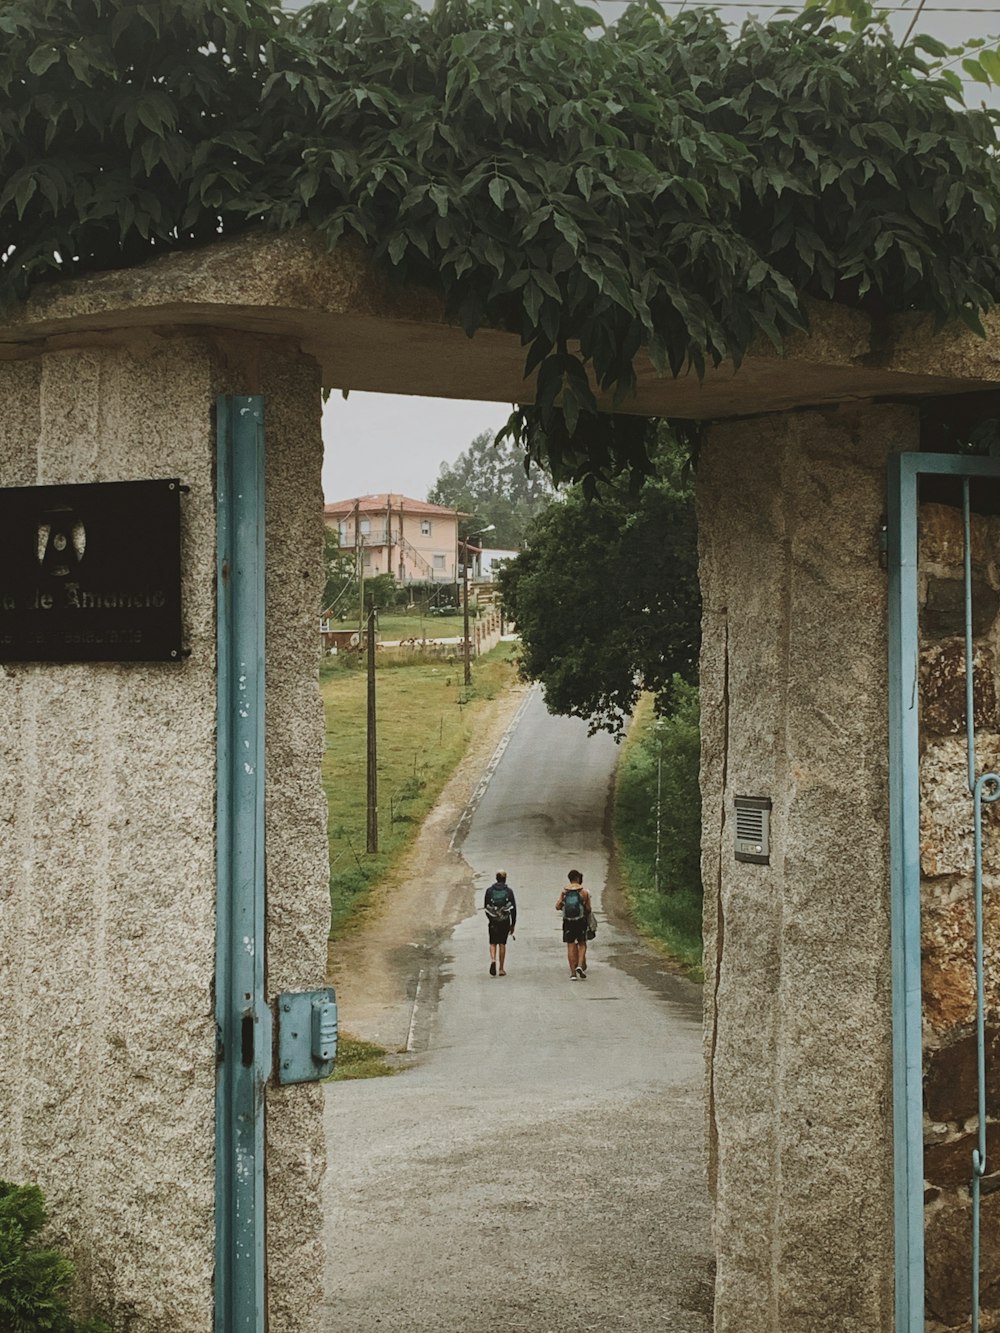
{"x":905,"y":471}
{"x":243,"y":1017}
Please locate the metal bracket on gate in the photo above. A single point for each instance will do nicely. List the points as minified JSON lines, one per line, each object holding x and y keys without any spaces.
{"x":307,"y":1035}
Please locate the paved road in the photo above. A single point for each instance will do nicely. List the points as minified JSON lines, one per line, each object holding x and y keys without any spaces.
{"x":540,"y":1169}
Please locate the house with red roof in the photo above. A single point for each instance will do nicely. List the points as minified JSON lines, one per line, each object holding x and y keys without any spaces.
{"x":415,"y":541}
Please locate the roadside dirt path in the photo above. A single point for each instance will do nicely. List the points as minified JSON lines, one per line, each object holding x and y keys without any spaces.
{"x":377,"y":967}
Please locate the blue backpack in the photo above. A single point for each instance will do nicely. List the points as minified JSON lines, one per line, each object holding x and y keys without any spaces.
{"x":573,"y":908}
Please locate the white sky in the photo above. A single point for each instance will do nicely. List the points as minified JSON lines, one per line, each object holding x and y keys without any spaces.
{"x":377,"y":442}
{"x":380,"y":442}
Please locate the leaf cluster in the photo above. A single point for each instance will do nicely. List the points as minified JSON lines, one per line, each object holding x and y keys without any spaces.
{"x":665,"y":186}
{"x":33,"y":1279}
{"x":606,"y":599}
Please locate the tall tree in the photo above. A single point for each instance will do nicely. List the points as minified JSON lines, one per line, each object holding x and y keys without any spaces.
{"x":489,"y":482}
{"x":606,"y":598}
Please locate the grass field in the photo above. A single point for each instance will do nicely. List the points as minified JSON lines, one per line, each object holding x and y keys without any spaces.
{"x":424,"y":716}
{"x":359,"y":1059}
{"x":415,"y":625}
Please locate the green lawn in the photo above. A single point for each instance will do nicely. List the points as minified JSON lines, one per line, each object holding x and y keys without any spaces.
{"x":412,"y":625}
{"x":359,"y":1059}
{"x":425,"y":717}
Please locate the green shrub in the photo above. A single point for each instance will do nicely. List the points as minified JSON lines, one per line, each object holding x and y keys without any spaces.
{"x":33,"y":1280}
{"x":663,"y":753}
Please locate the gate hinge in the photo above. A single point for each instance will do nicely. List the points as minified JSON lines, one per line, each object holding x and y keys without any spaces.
{"x":883,"y":544}
{"x":307,"y":1035}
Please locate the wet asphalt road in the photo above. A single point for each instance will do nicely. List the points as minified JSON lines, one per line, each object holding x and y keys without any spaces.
{"x":540,"y":1169}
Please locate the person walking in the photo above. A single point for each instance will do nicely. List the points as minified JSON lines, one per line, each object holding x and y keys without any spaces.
{"x":574,"y":903}
{"x":501,"y":914}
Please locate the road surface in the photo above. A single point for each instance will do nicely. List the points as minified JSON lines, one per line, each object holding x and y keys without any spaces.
{"x":540,"y":1169}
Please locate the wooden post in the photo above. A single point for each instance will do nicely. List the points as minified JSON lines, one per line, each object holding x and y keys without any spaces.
{"x":372,"y":750}
{"x":465,"y":610}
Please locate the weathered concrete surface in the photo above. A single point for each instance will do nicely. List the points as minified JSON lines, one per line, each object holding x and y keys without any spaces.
{"x":368,"y":333}
{"x":798,"y":1008}
{"x":107,"y":848}
{"x":947,"y":901}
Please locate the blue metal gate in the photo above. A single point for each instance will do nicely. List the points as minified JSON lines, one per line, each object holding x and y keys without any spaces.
{"x":242,"y":1014}
{"x":906,"y":471}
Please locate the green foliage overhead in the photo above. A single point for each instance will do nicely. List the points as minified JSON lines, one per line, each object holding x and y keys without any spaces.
{"x":606,"y":598}
{"x":666,"y":182}
{"x":33,"y":1280}
{"x":488,"y":481}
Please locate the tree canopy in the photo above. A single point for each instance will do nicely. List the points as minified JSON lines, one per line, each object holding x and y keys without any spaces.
{"x":489,"y":482}
{"x":606,"y":597}
{"x":666,"y":183}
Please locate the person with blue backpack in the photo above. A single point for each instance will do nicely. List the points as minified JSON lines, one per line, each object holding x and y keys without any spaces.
{"x":501,"y":916}
{"x":574,"y":903}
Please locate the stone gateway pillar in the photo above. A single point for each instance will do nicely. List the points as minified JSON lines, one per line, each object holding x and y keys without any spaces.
{"x":108,"y":840}
{"x":797,"y":951}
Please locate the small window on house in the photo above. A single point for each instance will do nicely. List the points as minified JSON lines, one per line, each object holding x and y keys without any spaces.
{"x":367,"y":559}
{"x":365,"y":527}
{"x":425,"y":527}
{"x":343,"y":532}
{"x":439,"y":562}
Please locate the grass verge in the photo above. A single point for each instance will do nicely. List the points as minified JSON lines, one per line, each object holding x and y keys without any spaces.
{"x":671,"y":916}
{"x":425,"y":718}
{"x":359,"y":1059}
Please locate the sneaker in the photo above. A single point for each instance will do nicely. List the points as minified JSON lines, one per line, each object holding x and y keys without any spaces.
{"x":581,"y":973}
{"x":572,"y":976}
{"x":493,"y":969}
{"x":584,"y":970}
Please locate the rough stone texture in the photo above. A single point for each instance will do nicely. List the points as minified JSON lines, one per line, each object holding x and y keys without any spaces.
{"x":298,"y":873}
{"x":942,"y":540}
{"x":948,"y":1165}
{"x":357,"y":324}
{"x":107,"y":867}
{"x":942,"y":688}
{"x":949,"y":1271}
{"x":944,"y":607}
{"x":798,"y":1006}
{"x":107,"y":848}
{"x":950,"y":1078}
{"x":947,"y":916}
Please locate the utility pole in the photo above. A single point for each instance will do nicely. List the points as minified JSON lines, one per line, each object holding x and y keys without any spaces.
{"x":359,"y":558}
{"x":465,"y":609}
{"x":372,"y":755}
{"x":659,"y":804}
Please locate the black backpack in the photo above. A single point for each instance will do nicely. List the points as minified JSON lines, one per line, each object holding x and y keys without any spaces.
{"x":573,"y":908}
{"x":497,"y":903}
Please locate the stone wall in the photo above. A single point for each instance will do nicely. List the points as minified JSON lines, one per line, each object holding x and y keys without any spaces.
{"x":107,"y":846}
{"x":798,"y":984}
{"x":947,"y":905}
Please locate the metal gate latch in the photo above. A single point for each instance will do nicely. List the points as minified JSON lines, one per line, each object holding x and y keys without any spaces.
{"x":307,"y":1035}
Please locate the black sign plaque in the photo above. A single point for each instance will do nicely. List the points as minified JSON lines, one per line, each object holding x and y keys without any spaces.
{"x":90,"y":573}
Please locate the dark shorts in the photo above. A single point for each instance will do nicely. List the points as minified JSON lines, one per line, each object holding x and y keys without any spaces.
{"x":575,"y":932}
{"x":499,"y":930}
